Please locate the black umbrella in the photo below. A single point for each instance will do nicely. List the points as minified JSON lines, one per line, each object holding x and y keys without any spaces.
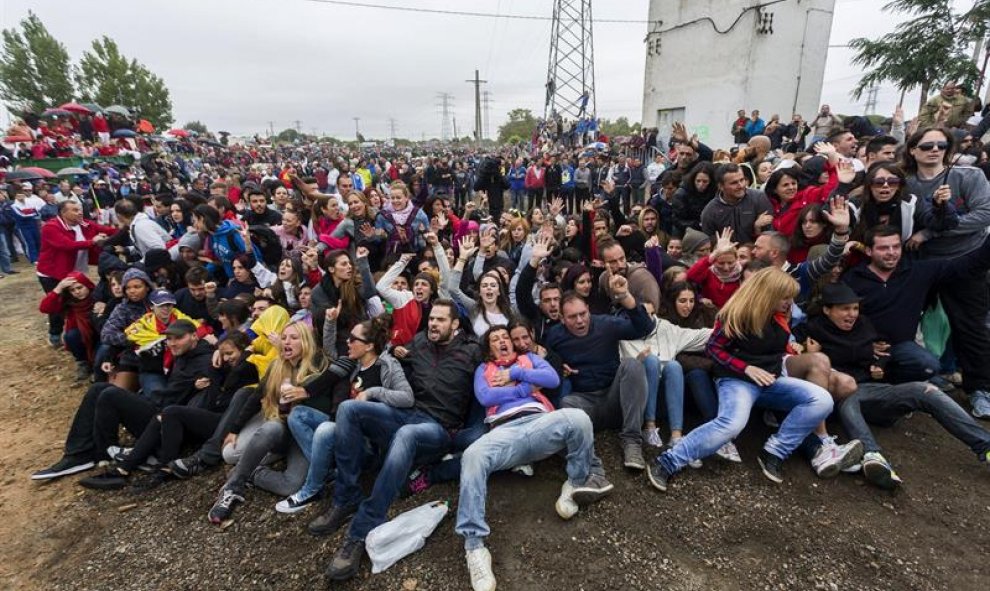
{"x":23,"y":175}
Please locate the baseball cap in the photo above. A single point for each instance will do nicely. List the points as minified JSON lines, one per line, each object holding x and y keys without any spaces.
{"x":180,"y":328}
{"x":160,"y":297}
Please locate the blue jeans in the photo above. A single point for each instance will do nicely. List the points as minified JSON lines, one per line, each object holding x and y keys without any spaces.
{"x":151,"y":382}
{"x":313,"y":431}
{"x":519,"y":199}
{"x":5,"y":253}
{"x":910,"y":362}
{"x":807,"y":404}
{"x":702,"y":388}
{"x":522,"y":441}
{"x":408,"y":436}
{"x":882,"y":404}
{"x":671,"y":375}
{"x":74,"y":343}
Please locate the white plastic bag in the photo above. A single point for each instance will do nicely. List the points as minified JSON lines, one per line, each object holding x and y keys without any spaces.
{"x":392,"y":541}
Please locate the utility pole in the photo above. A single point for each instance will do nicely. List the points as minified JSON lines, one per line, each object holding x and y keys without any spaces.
{"x":487,"y":102}
{"x":477,"y":104}
{"x":271,"y":129}
{"x":357,"y":128}
{"x":298,"y":126}
{"x":445,"y":115}
{"x":455,"y":128}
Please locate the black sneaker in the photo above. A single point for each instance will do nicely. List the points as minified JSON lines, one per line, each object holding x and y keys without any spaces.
{"x":112,"y":478}
{"x":64,"y":467}
{"x":594,"y":489}
{"x":329,"y":522}
{"x":346,"y":561}
{"x":186,"y":467}
{"x":772,"y":466}
{"x":658,"y":475}
{"x":151,"y":481}
{"x":224,"y":507}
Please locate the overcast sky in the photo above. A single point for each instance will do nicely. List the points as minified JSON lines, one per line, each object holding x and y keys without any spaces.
{"x":238,"y":64}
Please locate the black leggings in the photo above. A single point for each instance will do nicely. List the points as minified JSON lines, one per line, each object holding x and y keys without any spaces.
{"x":168,"y":431}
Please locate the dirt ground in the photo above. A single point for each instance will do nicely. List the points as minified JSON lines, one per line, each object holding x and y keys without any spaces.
{"x":721,"y":527}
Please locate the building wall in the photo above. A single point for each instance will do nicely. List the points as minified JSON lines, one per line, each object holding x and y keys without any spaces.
{"x":712,"y":75}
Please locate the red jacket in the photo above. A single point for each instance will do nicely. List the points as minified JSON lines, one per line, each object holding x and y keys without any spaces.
{"x":59,"y":246}
{"x":711,"y":286}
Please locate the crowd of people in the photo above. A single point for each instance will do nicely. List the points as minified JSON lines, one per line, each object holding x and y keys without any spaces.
{"x":308,"y":313}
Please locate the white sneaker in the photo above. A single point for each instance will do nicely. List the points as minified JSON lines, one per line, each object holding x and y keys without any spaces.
{"x":696,"y":463}
{"x":832,"y":458}
{"x":118,"y":453}
{"x":523,"y":470}
{"x":729,"y":453}
{"x":652,"y":437}
{"x":479,"y":562}
{"x":566,"y":506}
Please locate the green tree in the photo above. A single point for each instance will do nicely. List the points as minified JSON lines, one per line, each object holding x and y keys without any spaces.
{"x":107,"y":77}
{"x":521,"y":123}
{"x":288,"y":135}
{"x":619,"y":127}
{"x":34,"y":68}
{"x":927,"y":50}
{"x":197,"y":126}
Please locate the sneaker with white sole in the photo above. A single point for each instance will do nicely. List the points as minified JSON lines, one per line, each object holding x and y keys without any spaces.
{"x":223,"y":509}
{"x":729,"y":453}
{"x":831,"y":458}
{"x":118,"y":453}
{"x":652,"y":437}
{"x":64,"y":467}
{"x":592,"y":490}
{"x":632,"y":456}
{"x":980,"y":402}
{"x":479,"y":563}
{"x":293,"y":504}
{"x":878,"y":471}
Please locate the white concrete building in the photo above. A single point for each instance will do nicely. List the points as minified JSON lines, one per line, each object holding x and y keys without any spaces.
{"x":707,"y":59}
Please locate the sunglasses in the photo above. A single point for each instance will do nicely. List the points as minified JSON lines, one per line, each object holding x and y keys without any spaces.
{"x":893,"y":181}
{"x":929,"y":146}
{"x":352,"y":338}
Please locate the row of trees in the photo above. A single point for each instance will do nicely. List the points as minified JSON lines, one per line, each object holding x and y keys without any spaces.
{"x":36,"y":73}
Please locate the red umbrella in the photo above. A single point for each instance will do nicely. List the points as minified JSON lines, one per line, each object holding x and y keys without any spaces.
{"x":178,"y":132}
{"x":76,"y":108}
{"x":16,"y":139}
{"x":42,"y":172}
{"x":145,"y":126}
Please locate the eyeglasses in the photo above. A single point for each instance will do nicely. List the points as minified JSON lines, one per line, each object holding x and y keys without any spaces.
{"x":929,"y":146}
{"x":352,"y":338}
{"x":893,"y":181}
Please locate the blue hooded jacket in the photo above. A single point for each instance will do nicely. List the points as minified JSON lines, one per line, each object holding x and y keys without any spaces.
{"x":227,"y":243}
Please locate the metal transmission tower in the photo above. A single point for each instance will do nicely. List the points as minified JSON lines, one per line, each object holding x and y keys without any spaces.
{"x":871,"y":100}
{"x":445,"y":113}
{"x":486,"y":102}
{"x":570,"y":87}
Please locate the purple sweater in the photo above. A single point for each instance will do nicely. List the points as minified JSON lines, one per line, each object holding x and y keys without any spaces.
{"x":505,"y":398}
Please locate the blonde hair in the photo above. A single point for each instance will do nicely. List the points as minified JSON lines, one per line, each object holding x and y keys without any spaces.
{"x":280,"y":370}
{"x":751,"y":308}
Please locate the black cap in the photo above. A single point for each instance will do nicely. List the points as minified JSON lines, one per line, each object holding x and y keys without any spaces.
{"x":836,"y":294}
{"x":180,"y":328}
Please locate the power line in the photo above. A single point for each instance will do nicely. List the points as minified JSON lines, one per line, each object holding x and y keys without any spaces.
{"x":525,"y":17}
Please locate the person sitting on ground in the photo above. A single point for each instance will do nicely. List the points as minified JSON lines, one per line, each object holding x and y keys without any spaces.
{"x":748,"y":344}
{"x":177,"y":424}
{"x":523,"y":428}
{"x":105,"y":407}
{"x":611,"y":390}
{"x":849,"y":340}
{"x":441,"y":364}
{"x":376,"y":376}
{"x":719,"y":274}
{"x":300,"y":375}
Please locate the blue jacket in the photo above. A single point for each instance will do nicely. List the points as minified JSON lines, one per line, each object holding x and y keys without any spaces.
{"x":567,"y":176}
{"x":595,"y":356}
{"x":755,"y":127}
{"x":517,"y":178}
{"x":227,"y":243}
